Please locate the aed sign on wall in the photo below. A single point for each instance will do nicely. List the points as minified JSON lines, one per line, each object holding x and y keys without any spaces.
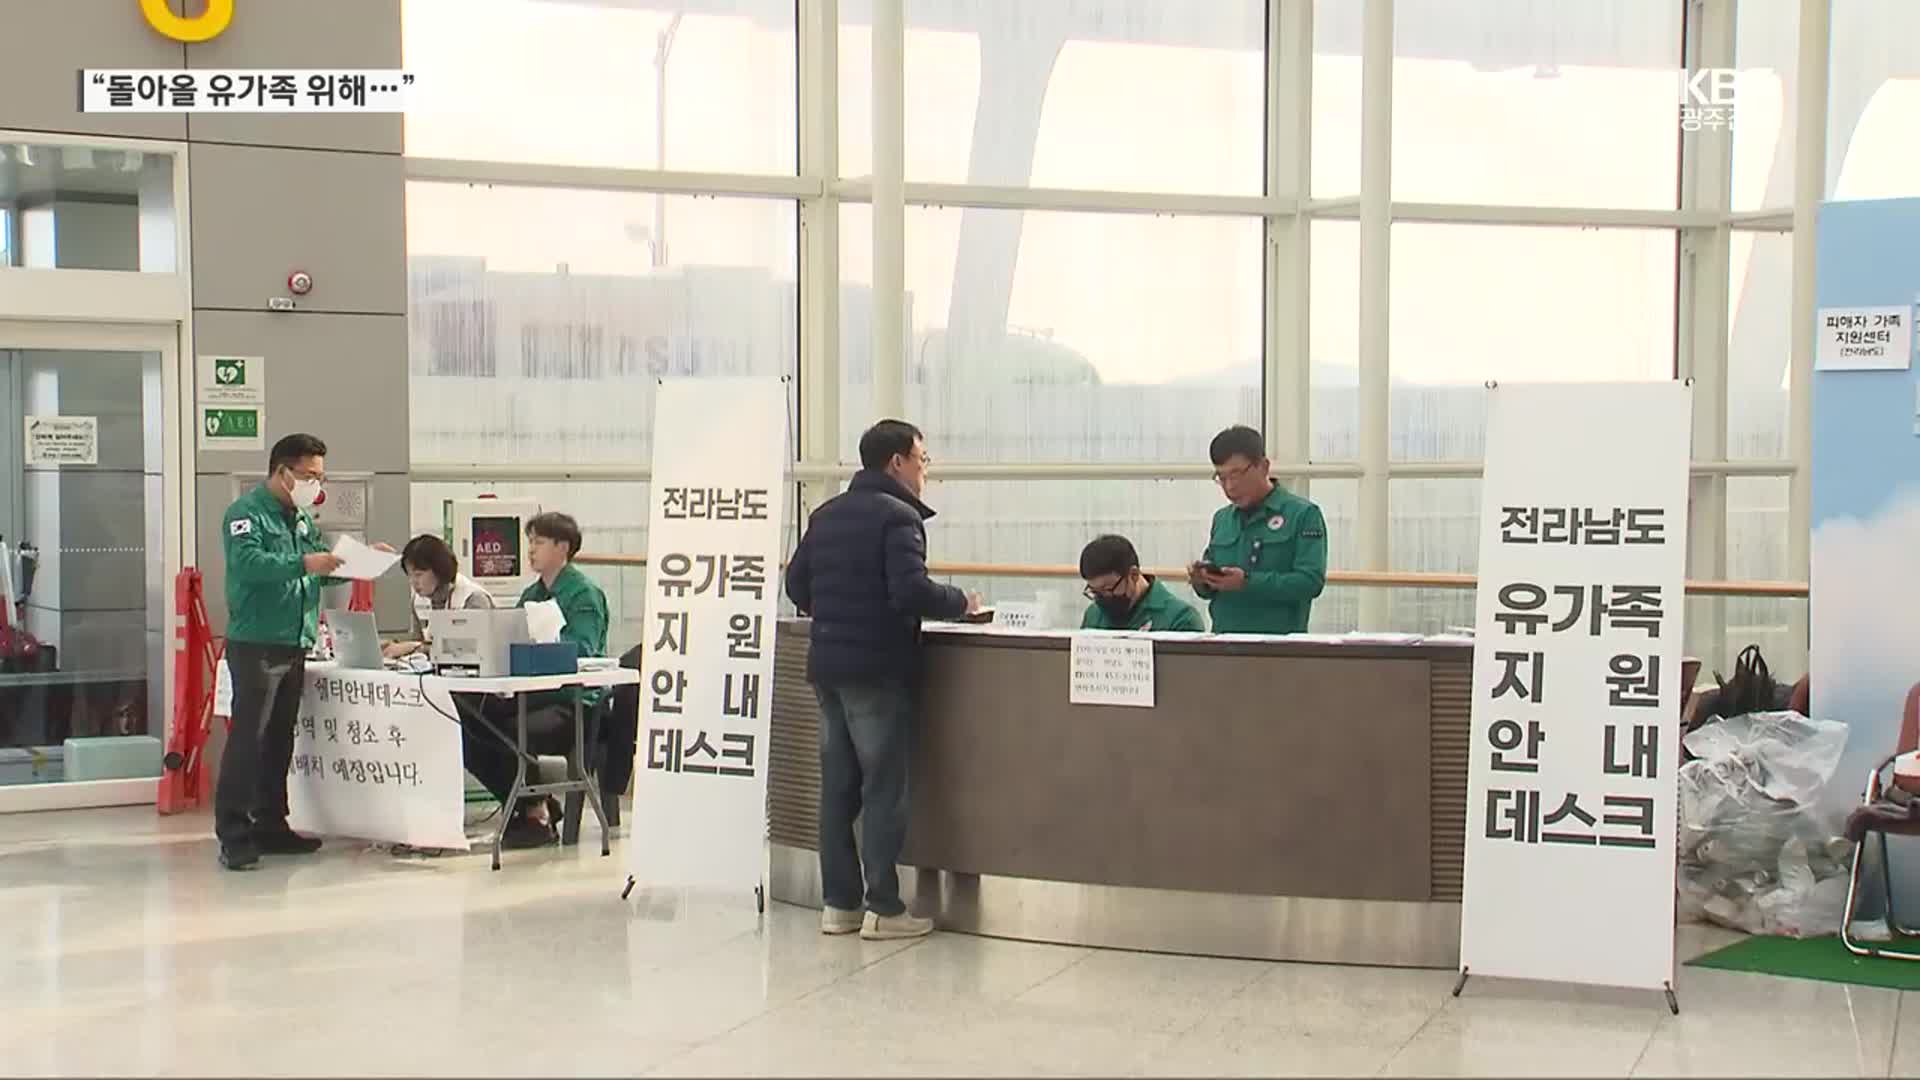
{"x":191,"y":29}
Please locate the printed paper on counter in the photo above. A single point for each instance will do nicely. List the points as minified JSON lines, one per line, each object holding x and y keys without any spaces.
{"x":1111,"y":669}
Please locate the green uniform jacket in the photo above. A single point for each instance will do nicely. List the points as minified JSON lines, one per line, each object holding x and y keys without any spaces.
{"x":1158,"y":610}
{"x":1282,"y":545}
{"x":271,"y":599}
{"x":585,"y":607}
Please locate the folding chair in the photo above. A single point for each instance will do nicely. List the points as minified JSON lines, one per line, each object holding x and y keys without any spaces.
{"x":1881,"y":825}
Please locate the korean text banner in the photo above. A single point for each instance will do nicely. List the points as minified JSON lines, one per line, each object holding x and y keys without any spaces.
{"x":376,"y":756}
{"x":1576,"y":682}
{"x":244,"y":91}
{"x":713,"y":583}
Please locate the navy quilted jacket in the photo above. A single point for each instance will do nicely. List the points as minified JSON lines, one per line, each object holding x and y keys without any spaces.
{"x":861,"y":573}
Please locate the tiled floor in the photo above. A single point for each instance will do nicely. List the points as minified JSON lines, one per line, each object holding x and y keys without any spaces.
{"x":124,"y":950}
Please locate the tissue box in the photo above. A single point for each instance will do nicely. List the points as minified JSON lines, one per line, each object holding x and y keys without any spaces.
{"x":552,"y":658}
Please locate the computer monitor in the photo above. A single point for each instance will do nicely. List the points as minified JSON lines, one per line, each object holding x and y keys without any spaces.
{"x":356,"y":640}
{"x":475,"y":641}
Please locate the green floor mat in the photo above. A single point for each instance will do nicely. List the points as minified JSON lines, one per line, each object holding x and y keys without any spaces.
{"x":1816,"y":958}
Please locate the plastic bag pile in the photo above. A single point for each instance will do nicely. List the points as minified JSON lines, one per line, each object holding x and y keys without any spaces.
{"x":1756,"y":853}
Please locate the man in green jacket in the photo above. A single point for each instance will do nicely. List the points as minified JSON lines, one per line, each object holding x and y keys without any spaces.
{"x":1266,"y":557}
{"x":277,"y":564}
{"x":488,"y":743}
{"x":1126,"y":599}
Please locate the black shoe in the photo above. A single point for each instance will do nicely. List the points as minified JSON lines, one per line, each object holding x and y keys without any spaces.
{"x":524,"y":832}
{"x":280,"y":840}
{"x":239,"y":856}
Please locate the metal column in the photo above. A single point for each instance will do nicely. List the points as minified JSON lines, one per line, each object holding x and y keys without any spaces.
{"x":889,"y":208}
{"x":1809,"y":190}
{"x":1706,"y":173}
{"x":819,"y":245}
{"x":1287,"y":401}
{"x":1376,"y":210}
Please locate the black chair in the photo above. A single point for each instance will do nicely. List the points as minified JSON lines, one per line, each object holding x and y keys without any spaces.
{"x":612,"y":728}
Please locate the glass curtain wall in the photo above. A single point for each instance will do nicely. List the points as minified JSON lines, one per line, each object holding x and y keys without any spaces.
{"x":1092,"y":191}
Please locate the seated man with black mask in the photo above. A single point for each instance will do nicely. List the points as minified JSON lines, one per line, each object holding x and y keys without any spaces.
{"x":1126,"y":599}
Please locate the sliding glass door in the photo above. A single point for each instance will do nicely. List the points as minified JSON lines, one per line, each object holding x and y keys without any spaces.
{"x":90,"y":539}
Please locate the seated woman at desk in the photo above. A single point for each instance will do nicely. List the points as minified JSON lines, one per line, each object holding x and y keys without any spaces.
{"x":488,"y":742}
{"x":438,"y":585}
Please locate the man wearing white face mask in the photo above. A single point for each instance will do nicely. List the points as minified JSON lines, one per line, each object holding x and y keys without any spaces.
{"x":277,"y":564}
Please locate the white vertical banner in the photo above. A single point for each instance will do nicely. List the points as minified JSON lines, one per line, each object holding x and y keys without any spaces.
{"x":1571,"y":796}
{"x":716,"y":502}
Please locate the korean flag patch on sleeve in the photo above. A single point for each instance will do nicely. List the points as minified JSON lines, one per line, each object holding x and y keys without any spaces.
{"x":239,"y":526}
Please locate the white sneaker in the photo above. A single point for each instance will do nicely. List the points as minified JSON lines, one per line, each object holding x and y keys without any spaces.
{"x":894,"y":927}
{"x":836,"y":921}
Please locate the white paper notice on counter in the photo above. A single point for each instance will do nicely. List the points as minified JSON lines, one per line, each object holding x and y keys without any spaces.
{"x":1864,"y":338}
{"x":545,"y":621}
{"x":1111,"y":669}
{"x":1020,"y":615}
{"x":360,"y":562}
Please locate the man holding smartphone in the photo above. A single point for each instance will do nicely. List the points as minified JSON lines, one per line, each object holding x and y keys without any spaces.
{"x":1266,"y":557}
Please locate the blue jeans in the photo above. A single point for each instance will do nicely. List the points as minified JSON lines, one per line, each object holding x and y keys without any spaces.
{"x":865,"y":734}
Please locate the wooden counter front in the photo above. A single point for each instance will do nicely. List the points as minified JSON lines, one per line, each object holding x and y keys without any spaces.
{"x":1266,"y":768}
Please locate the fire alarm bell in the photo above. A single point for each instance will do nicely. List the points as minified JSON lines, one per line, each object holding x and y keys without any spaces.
{"x":300,"y":282}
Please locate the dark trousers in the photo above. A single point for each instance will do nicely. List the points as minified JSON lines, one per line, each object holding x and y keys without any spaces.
{"x":267,"y":683}
{"x":865,"y":736}
{"x":488,"y":727}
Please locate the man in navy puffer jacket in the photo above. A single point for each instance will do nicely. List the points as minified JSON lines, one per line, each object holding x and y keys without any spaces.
{"x":861,"y":573}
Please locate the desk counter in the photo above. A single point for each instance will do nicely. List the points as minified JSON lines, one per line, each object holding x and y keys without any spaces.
{"x":1284,"y":800}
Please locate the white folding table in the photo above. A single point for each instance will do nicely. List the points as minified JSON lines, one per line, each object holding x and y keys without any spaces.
{"x":519,"y":687}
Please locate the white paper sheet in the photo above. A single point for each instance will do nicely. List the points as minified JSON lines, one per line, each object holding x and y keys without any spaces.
{"x":1111,"y":669}
{"x":1876,"y":338}
{"x":377,"y":757}
{"x":361,"y":562}
{"x":992,"y":628}
{"x":545,"y":621}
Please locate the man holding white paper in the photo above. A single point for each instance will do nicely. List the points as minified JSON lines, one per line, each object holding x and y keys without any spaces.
{"x":276,"y":563}
{"x":360,"y":562}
